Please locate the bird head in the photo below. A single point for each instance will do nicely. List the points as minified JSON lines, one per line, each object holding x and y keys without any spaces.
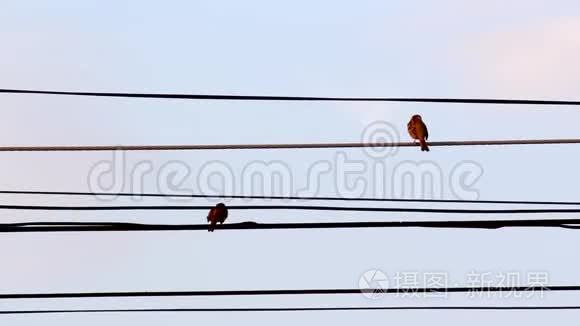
{"x":416,"y":117}
{"x":220,"y":205}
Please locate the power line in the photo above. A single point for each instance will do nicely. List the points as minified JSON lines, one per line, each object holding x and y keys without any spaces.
{"x":294,"y":98}
{"x":284,"y":309}
{"x":282,"y":146}
{"x":296,"y":207}
{"x":318,"y":198}
{"x":490,"y":289}
{"x":136,"y":227}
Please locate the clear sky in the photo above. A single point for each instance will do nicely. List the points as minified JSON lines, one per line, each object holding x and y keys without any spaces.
{"x":514,"y":49}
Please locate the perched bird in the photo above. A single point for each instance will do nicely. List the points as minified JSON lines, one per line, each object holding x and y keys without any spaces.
{"x":418,"y":131}
{"x":219,"y":213}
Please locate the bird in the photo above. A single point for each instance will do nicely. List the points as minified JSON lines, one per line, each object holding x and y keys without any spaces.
{"x":216,"y":214}
{"x":418,"y":131}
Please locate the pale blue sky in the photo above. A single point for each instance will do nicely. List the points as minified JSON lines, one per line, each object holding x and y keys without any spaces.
{"x":518,"y":49}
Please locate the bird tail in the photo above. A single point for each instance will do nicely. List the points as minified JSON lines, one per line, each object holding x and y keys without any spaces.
{"x":424,"y":147}
{"x":211,"y":227}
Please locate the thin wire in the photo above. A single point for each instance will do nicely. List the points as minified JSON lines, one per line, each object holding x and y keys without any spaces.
{"x":318,"y":198}
{"x":296,"y":207}
{"x":296,"y":309}
{"x":281,"y":146}
{"x":12,"y":296}
{"x":135,"y":227}
{"x":294,"y":98}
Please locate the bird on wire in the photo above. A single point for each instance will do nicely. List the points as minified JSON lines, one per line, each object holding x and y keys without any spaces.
{"x":219,"y":213}
{"x":418,"y":131}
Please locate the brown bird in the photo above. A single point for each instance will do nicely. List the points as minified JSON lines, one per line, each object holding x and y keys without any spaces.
{"x":219,"y":213}
{"x":418,"y":131}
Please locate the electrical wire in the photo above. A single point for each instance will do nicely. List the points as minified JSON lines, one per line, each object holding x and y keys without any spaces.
{"x":317,"y":198}
{"x":282,"y":146}
{"x":294,"y":98}
{"x":29,"y":227}
{"x":284,"y":309}
{"x":487,"y":289}
{"x":295,"y":207}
